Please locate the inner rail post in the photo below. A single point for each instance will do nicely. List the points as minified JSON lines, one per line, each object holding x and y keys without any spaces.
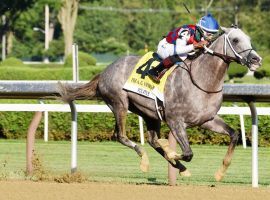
{"x":254,"y":116}
{"x":73,"y":137}
{"x":172,"y":172}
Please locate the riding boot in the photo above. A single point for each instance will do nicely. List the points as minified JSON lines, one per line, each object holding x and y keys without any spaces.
{"x":157,"y":72}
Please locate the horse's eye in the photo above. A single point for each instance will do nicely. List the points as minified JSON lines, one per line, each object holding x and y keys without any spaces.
{"x":235,"y":40}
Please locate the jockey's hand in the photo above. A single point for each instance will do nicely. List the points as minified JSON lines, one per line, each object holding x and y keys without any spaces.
{"x":200,"y":44}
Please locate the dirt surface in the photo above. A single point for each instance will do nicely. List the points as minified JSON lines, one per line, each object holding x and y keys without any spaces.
{"x":11,"y":190}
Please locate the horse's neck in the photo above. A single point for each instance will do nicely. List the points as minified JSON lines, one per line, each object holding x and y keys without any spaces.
{"x":209,"y":71}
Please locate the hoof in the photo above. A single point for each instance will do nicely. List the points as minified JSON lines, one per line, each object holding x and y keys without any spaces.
{"x":186,"y":158}
{"x":144,"y":165}
{"x":219,"y":175}
{"x":185,"y":173}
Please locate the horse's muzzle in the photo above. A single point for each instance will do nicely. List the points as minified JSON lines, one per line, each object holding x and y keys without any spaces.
{"x":254,"y":62}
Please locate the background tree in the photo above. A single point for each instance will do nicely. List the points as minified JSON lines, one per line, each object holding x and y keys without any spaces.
{"x":67,"y":17}
{"x":12,"y":9}
{"x":101,"y":31}
{"x":29,"y":43}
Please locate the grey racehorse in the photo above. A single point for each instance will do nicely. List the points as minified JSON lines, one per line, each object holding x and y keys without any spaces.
{"x":193,"y":96}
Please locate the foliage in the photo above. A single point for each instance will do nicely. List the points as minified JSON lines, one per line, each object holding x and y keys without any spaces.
{"x":100,"y":127}
{"x":237,"y":71}
{"x":12,"y":10}
{"x":84,"y":60}
{"x":55,"y":51}
{"x":12,"y":62}
{"x":104,"y":32}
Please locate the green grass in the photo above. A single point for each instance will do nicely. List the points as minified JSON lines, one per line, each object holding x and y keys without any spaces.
{"x":112,"y":162}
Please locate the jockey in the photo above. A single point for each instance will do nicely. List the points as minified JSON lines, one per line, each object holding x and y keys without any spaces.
{"x":176,"y":46}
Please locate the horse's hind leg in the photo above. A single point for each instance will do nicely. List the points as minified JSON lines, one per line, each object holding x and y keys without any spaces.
{"x":120,"y":114}
{"x":219,"y":126}
{"x":153,"y":128}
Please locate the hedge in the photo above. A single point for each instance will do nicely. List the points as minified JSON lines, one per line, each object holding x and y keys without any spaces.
{"x":84,"y":60}
{"x":11,"y":61}
{"x":53,"y":73}
{"x":263,"y":71}
{"x":100,"y":127}
{"x":237,"y":71}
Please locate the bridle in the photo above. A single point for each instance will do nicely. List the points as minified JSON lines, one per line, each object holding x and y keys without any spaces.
{"x":228,"y":59}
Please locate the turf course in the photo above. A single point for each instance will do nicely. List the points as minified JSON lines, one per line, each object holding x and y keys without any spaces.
{"x":112,"y":162}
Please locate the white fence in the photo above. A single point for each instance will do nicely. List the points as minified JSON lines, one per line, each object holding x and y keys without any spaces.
{"x":241,"y":111}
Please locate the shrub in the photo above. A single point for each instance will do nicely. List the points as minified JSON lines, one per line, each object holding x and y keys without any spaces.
{"x":55,"y":51}
{"x":84,"y":60}
{"x":12,"y":62}
{"x":263,"y":71}
{"x":51,"y":73}
{"x":259,"y":74}
{"x":236,"y":71}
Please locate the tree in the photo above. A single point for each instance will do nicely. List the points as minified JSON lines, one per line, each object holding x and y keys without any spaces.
{"x":12,"y":10}
{"x":67,"y":17}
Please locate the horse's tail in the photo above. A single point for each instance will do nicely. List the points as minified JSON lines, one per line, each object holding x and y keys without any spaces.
{"x":86,"y":91}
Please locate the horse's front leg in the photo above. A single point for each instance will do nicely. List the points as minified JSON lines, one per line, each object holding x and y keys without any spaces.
{"x":219,"y":126}
{"x":162,"y":146}
{"x":179,"y":132}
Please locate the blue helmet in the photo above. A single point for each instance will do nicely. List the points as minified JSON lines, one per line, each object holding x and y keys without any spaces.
{"x":208,"y":23}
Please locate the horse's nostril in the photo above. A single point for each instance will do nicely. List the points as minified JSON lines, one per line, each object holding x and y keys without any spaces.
{"x":255,"y":59}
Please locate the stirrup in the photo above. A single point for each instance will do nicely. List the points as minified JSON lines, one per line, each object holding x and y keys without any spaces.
{"x":159,"y":76}
{"x":154,"y":78}
{"x":153,"y":75}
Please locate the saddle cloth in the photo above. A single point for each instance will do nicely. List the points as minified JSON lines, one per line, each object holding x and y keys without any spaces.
{"x":139,"y":82}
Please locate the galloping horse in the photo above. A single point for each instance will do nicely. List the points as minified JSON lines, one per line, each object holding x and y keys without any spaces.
{"x":193,"y":96}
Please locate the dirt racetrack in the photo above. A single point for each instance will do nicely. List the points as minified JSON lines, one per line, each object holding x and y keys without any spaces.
{"x":26,"y":190}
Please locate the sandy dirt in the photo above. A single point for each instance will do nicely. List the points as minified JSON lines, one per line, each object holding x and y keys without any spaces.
{"x":26,"y":190}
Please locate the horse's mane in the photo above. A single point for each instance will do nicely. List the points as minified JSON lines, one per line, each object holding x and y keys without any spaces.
{"x":199,"y":53}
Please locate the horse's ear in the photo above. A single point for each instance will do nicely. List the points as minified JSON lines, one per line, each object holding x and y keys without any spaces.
{"x":223,"y":28}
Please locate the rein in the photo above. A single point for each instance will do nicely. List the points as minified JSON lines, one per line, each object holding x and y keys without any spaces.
{"x":188,"y":69}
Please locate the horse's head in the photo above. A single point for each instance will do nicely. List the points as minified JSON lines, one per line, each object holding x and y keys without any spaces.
{"x":237,"y":44}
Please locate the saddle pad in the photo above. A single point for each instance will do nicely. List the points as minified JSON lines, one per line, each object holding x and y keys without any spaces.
{"x":139,"y":82}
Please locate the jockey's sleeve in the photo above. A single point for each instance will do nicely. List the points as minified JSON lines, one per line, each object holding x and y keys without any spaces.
{"x":181,"y":47}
